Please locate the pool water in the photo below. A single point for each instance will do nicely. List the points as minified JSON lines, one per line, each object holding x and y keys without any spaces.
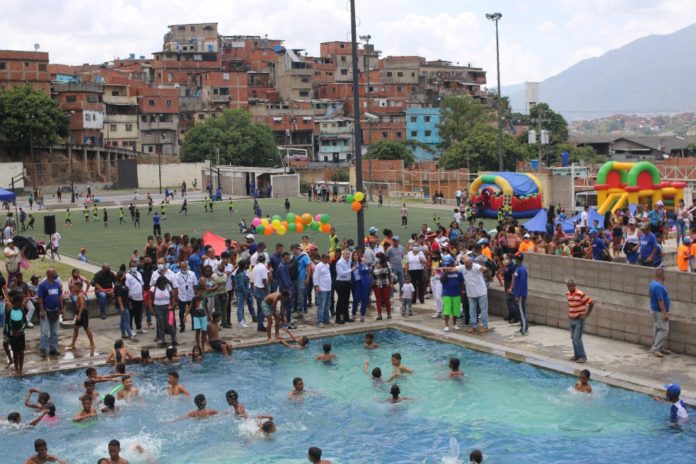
{"x":513,"y":412}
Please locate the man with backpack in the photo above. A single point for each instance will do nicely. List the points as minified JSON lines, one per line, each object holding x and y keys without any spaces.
{"x":300,"y":271}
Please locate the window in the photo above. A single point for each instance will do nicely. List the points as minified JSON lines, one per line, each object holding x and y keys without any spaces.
{"x":399,"y":88}
{"x":413,"y":74}
{"x":304,"y":93}
{"x":225,"y":76}
{"x":169,"y":77}
{"x":344,"y":72}
{"x":169,"y":103}
{"x":129,"y":127}
{"x":428,"y":133}
{"x":426,"y":118}
{"x":26,"y":64}
{"x":193,"y":28}
{"x":398,"y":135}
{"x":70,"y":99}
{"x":414,"y":133}
{"x":341,"y":45}
{"x":201,"y":116}
{"x":115,"y":93}
{"x":3,"y":66}
{"x":389,"y":74}
{"x":113,"y":127}
{"x":305,"y":79}
{"x":42,"y":67}
{"x":150,"y":149}
{"x":343,"y":58}
{"x":92,"y":98}
{"x":385,"y":135}
{"x":151,"y":102}
{"x":88,"y":117}
{"x":399,"y":74}
{"x":144,"y":118}
{"x":181,"y":28}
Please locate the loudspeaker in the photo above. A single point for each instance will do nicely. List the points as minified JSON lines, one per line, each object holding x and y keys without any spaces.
{"x":49,"y":225}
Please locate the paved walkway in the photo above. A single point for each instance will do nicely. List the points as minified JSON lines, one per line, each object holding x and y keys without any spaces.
{"x":618,"y":363}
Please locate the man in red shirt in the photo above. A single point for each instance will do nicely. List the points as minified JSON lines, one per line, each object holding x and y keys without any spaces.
{"x":579,"y":308}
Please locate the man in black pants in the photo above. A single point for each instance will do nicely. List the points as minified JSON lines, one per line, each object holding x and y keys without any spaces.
{"x":343,"y":287}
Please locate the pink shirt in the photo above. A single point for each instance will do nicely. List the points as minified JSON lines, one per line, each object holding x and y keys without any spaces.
{"x":48,"y":420}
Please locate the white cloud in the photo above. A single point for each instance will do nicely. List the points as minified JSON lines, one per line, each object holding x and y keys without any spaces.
{"x":546,"y":27}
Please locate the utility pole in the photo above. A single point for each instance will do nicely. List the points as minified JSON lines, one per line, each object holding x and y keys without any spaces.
{"x":495,"y":17}
{"x":366,"y":67}
{"x":357,"y":143}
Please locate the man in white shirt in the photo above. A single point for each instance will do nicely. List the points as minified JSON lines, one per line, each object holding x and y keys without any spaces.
{"x":134,"y":284}
{"x":458,"y":197}
{"x":343,"y":287}
{"x":163,"y":271}
{"x":322,"y":288}
{"x":186,"y":283}
{"x":476,"y":292}
{"x":260,"y":250}
{"x":584,"y":219}
{"x":211,"y":260}
{"x":457,"y":216}
{"x":261,"y":287}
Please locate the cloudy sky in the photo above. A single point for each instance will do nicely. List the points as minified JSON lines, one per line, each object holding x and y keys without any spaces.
{"x":539,"y":38}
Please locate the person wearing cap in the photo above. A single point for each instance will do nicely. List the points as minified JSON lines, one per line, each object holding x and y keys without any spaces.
{"x":579,"y":308}
{"x":476,"y":292}
{"x":683,"y":255}
{"x":600,"y":247}
{"x":677,"y":412}
{"x":452,"y":282}
{"x":519,"y":289}
{"x":649,"y":253}
{"x":251,"y":247}
{"x":485,"y":249}
{"x":656,"y":219}
{"x":527,"y":244}
{"x":632,"y":242}
{"x":659,"y":306}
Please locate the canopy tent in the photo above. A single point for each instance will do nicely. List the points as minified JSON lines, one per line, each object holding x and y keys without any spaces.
{"x":538,"y":222}
{"x":215,"y":241}
{"x":569,"y":223}
{"x":6,"y":195}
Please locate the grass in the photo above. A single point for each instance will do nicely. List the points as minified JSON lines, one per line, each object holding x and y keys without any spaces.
{"x":115,"y":243}
{"x":39,"y":268}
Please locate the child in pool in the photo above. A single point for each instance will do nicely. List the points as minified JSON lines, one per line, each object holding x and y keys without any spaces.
{"x":90,"y":391}
{"x":677,"y":412}
{"x":370,"y":341}
{"x":233,"y":400}
{"x":145,"y":358}
{"x":128,"y":391}
{"x":314,"y":456}
{"x":216,"y":344}
{"x":395,"y":398}
{"x":454,"y":368}
{"x":583,"y":384}
{"x":300,"y":343}
{"x":399,"y":368}
{"x":42,"y":399}
{"x":376,"y":373}
{"x":91,"y":374}
{"x":119,"y":354}
{"x":87,"y":410}
{"x":175,"y":388}
{"x":328,"y":355}
{"x":109,"y":405}
{"x":42,"y":455}
{"x":267,"y":427}
{"x":202,"y":404}
{"x":298,"y":389}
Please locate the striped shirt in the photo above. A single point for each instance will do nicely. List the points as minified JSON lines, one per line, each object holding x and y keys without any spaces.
{"x":577,"y":303}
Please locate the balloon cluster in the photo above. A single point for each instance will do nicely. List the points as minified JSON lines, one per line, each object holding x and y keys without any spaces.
{"x":292,"y":223}
{"x":355,"y":200}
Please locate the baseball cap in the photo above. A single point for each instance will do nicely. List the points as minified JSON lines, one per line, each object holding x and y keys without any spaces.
{"x":687,"y":240}
{"x":527,"y":236}
{"x":673,"y":389}
{"x":632,"y":221}
{"x":482,"y":241}
{"x":10,"y":241}
{"x":593,"y":231}
{"x":448,"y":261}
{"x":250,"y":236}
{"x":396,"y":238}
{"x":372,"y":230}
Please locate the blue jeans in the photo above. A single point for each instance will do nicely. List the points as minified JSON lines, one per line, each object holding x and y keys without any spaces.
{"x":681,"y":230}
{"x":259,"y":295}
{"x":480,"y":302}
{"x":577,"y":325}
{"x":49,"y":327}
{"x":399,"y":273}
{"x":323,"y":312}
{"x":101,"y":297}
{"x":2,"y":314}
{"x":361,"y":294}
{"x":125,"y":323}
{"x":243,"y":297}
{"x":522,"y":311}
{"x":287,"y":306}
{"x":298,"y":296}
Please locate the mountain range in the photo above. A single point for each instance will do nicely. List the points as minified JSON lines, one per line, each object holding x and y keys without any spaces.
{"x":653,"y":74}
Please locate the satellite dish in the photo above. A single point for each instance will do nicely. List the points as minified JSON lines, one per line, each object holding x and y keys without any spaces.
{"x":36,"y":47}
{"x":665,"y":156}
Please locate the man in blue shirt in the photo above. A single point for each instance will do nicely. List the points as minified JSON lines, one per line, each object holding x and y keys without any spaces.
{"x":50,"y":301}
{"x":282,"y":281}
{"x":194,"y":261}
{"x":659,"y":307}
{"x":519,"y":290}
{"x":156,"y":228}
{"x":275,"y":259}
{"x":301,"y":276}
{"x":600,"y":249}
{"x":649,"y":253}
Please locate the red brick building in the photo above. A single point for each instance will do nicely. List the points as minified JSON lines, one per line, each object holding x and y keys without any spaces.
{"x":22,"y":68}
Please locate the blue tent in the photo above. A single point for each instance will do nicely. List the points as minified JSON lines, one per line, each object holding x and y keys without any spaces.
{"x":538,"y":222}
{"x":6,"y":195}
{"x":569,"y":223}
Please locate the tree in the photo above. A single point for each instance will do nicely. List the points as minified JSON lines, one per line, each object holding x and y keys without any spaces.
{"x":240,"y":141}
{"x":29,"y":116}
{"x":479,"y":151}
{"x":391,"y":150}
{"x":554,"y":122}
{"x":458,"y":115}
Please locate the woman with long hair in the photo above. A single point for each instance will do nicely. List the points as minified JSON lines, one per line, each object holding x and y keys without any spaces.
{"x":381,"y":284}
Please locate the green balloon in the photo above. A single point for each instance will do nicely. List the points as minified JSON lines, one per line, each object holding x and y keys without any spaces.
{"x":314,"y":225}
{"x":324,"y":218}
{"x":291,"y":218}
{"x":350,"y":198}
{"x":276,"y":217}
{"x":260,"y":228}
{"x":292,"y":227}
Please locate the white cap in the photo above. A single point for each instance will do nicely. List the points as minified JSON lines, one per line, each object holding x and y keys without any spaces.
{"x":250,"y":236}
{"x":632,"y":221}
{"x":527,"y":236}
{"x":659,"y":203}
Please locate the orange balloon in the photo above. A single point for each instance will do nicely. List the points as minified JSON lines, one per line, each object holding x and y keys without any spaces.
{"x":285,"y":224}
{"x":356,"y":206}
{"x":306,"y":218}
{"x":268,"y":230}
{"x":300,"y":227}
{"x":326,"y":228}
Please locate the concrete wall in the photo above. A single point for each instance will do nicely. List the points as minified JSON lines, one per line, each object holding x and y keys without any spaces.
{"x":172,"y":174}
{"x":285,"y":185}
{"x":561,"y":191}
{"x":621,"y":295}
{"x":8,"y":171}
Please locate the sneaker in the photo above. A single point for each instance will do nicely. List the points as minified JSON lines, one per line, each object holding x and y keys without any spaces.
{"x":455,"y":327}
{"x":175,"y":343}
{"x":292,"y":326}
{"x":378,"y":318}
{"x":581,"y":360}
{"x":181,"y":330}
{"x":470,"y":330}
{"x":573,"y":358}
{"x":43,"y":353}
{"x":141,"y":331}
{"x":446,"y":329}
{"x":30,"y":325}
{"x":54,"y":352}
{"x":483,"y":330}
{"x":657,"y":354}
{"x":260,"y":329}
{"x":60,"y":319}
{"x":436,"y":316}
{"x":243,"y":325}
{"x":389,"y":316}
{"x":666,"y":351}
{"x":362,"y":318}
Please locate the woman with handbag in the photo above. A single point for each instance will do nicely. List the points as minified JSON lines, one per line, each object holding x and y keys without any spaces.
{"x":382,"y":280}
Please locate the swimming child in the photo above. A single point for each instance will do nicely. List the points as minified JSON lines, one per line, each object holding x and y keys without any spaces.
{"x":115,"y":453}
{"x":395,"y":392}
{"x":328,"y":355}
{"x":300,"y":343}
{"x":677,"y":413}
{"x":298,"y":389}
{"x":87,"y":410}
{"x":376,"y":372}
{"x":267,"y":427}
{"x":128,"y":391}
{"x":42,"y":399}
{"x":370,"y":341}
{"x":399,"y":368}
{"x":314,"y":456}
{"x":47,"y":416}
{"x":196,"y":354}
{"x":202,"y":404}
{"x":454,"y":368}
{"x":91,"y":374}
{"x":119,"y":354}
{"x":42,"y":455}
{"x":171,"y":355}
{"x":175,"y":388}
{"x":233,"y":400}
{"x":476,"y":457}
{"x":583,"y":384}
{"x":90,"y":391}
{"x":109,"y":404}
{"x":145,"y":358}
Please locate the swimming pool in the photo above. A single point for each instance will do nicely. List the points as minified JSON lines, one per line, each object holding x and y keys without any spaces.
{"x":513,"y":412}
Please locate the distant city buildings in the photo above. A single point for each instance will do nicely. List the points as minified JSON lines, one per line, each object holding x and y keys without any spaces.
{"x":148,"y":104}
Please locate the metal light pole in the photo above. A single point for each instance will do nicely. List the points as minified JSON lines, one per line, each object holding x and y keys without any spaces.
{"x":357,"y":143}
{"x":366,"y":67}
{"x":495,"y":17}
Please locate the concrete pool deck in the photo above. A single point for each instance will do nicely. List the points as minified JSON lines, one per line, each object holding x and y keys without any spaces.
{"x":617,"y":363}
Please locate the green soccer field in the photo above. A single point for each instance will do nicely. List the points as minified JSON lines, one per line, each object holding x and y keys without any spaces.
{"x":115,"y":243}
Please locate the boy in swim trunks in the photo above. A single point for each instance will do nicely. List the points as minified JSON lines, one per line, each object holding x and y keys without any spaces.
{"x":298,"y":389}
{"x":454,"y":368}
{"x":175,"y":388}
{"x":199,"y":315}
{"x":233,"y":400}
{"x":370,"y":341}
{"x":328,"y":355}
{"x":398,"y":367}
{"x":202,"y":404}
{"x":268,"y":308}
{"x":214,"y":333}
{"x":90,"y":391}
{"x":42,"y":455}
{"x":128,"y":391}
{"x":43,"y":399}
{"x":266,"y":427}
{"x":300,"y":342}
{"x":583,"y":384}
{"x":87,"y":410}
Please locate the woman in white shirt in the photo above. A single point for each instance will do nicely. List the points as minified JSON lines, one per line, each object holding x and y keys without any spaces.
{"x":415,"y":263}
{"x":163,"y":302}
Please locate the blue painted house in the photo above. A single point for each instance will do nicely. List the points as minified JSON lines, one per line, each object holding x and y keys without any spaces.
{"x":421,"y":125}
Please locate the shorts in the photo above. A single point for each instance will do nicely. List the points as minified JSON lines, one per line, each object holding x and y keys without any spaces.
{"x":452,"y":306}
{"x":216,"y":344}
{"x":200,"y":323}
{"x":17,"y":343}
{"x":83,"y":321}
{"x":267,"y":309}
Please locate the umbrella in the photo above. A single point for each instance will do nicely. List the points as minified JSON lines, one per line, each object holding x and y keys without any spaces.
{"x":28,"y":246}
